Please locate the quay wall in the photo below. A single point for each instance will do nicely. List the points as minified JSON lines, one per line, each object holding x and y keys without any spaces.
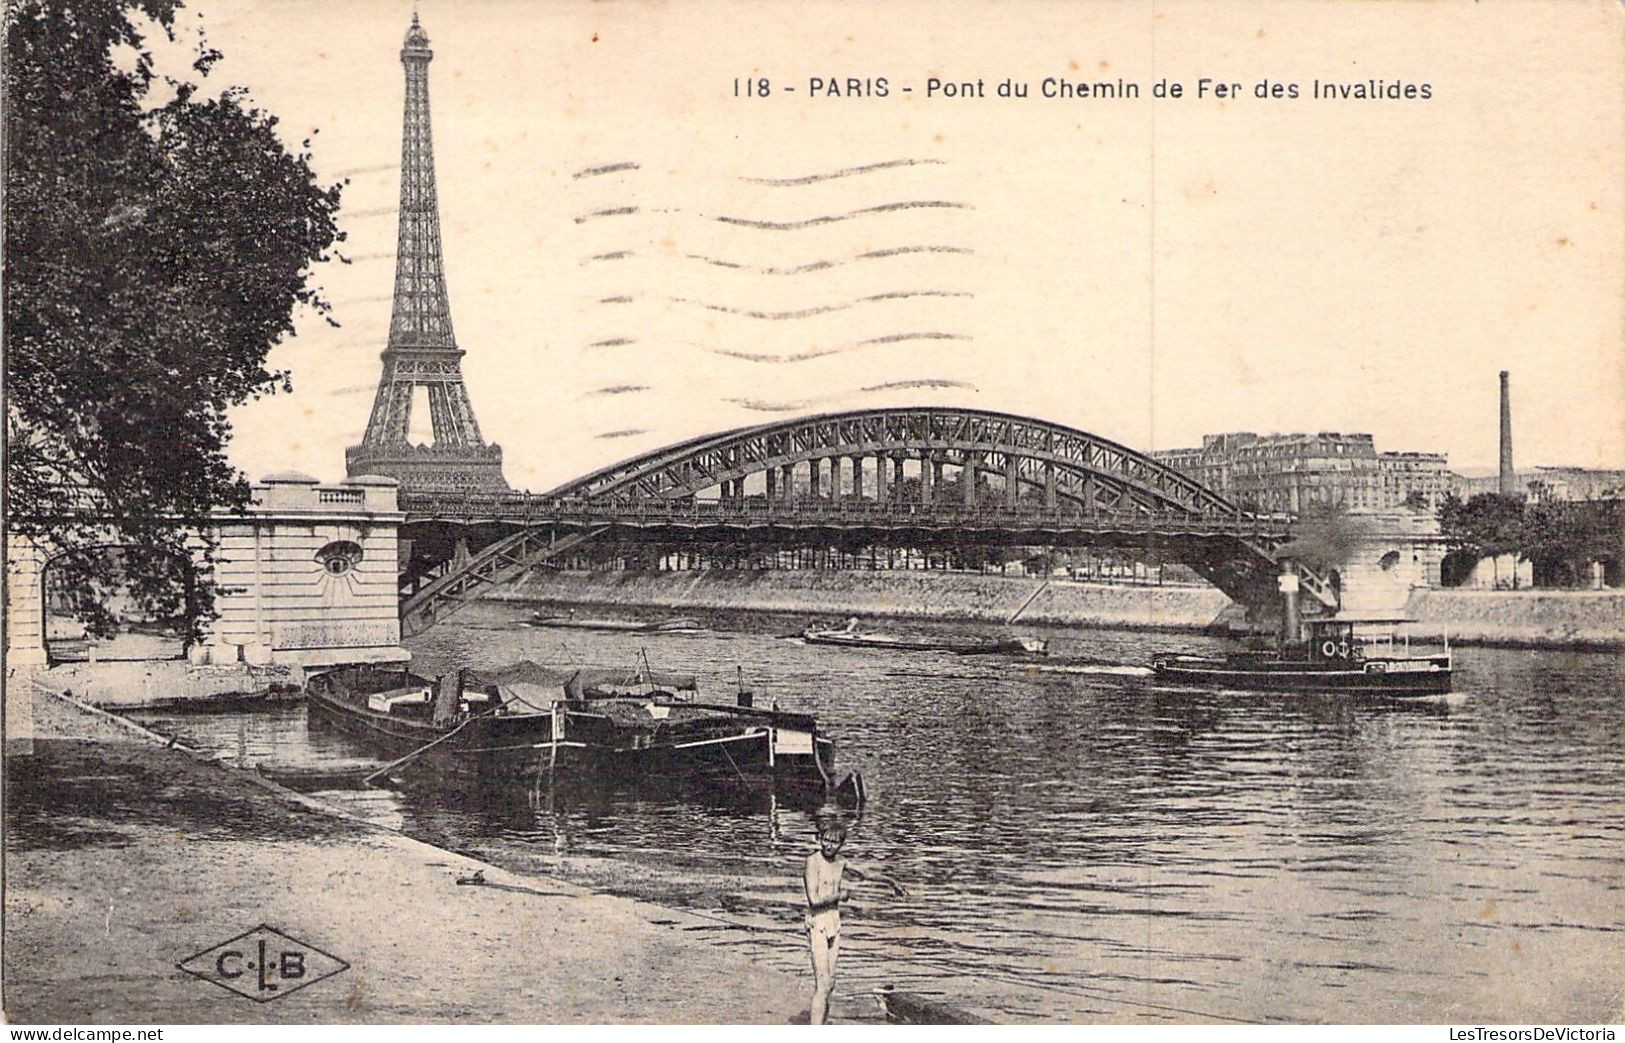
{"x":148,"y":682}
{"x":306,"y":577}
{"x":895,"y":594}
{"x":1578,"y":619}
{"x":1518,"y":618}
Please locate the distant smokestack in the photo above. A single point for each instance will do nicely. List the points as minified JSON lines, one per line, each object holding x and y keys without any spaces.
{"x":1509,"y":481}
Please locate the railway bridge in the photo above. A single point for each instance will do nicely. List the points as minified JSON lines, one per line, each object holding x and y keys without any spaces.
{"x":901,"y":477}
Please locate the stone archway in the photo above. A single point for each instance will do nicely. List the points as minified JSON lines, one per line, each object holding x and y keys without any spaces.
{"x":113,"y":603}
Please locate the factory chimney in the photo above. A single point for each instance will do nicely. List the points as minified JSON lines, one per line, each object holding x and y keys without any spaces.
{"x":1509,"y":481}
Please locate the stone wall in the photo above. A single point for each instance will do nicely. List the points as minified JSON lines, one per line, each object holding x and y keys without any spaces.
{"x":1524,"y":618}
{"x":309,"y":577}
{"x":306,"y":577}
{"x":1398,"y":552}
{"x":25,"y":603}
{"x":921,"y":595}
{"x":1554,"y":619}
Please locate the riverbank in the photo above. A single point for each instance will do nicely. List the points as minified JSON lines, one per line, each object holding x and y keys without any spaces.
{"x":124,"y":858}
{"x":884,"y":594}
{"x":129,"y":684}
{"x":1575,"y":620}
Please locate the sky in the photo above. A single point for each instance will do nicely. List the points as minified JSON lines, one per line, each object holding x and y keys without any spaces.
{"x":636,"y":256}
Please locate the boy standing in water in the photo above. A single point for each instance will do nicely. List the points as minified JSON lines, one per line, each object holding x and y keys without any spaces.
{"x":824,"y":870}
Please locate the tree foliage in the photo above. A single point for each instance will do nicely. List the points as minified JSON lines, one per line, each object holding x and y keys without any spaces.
{"x":1562,"y":538}
{"x":1487,"y":525}
{"x":1559,"y":538}
{"x":159,"y":240}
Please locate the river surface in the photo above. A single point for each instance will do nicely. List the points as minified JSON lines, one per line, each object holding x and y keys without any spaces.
{"x":1080,"y":843}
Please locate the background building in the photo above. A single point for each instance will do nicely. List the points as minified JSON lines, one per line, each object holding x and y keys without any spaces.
{"x":1553,"y":483}
{"x":1293,"y":472}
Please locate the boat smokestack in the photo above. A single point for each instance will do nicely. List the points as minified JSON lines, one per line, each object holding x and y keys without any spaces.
{"x":1291,"y":619}
{"x":1509,"y":480}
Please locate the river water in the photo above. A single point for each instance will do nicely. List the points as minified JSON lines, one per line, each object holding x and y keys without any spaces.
{"x":1080,"y":843}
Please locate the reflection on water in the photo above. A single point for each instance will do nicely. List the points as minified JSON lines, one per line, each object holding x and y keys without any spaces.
{"x":1079,"y":842}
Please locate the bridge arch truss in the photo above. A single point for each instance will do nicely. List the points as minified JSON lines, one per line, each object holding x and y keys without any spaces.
{"x":903,"y":476}
{"x":961,"y":457}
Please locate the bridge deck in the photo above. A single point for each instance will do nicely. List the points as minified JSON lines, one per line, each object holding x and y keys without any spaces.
{"x":527,"y":511}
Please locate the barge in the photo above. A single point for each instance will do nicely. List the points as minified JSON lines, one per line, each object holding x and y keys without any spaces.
{"x":531,"y":722}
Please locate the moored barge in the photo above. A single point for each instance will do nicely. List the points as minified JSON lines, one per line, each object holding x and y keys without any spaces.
{"x":528,"y":721}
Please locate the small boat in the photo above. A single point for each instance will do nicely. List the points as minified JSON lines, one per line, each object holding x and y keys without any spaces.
{"x":1335,"y":656}
{"x":849,"y":793}
{"x":910,"y":1008}
{"x":675,"y":626}
{"x":850,"y":636}
{"x":631,"y":626}
{"x":307,"y":777}
{"x":528,"y":721}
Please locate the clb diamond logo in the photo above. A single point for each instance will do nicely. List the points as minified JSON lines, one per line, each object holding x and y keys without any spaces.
{"x":263,"y":964}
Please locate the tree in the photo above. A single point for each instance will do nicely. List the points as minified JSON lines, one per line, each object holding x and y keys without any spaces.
{"x":1551,"y":543}
{"x":1487,"y":525}
{"x":1559,"y":538}
{"x":1603,"y":530}
{"x":158,"y":242}
{"x":1562,"y":538}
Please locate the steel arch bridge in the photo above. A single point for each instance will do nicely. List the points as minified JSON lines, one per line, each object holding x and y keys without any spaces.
{"x":1061,"y":463}
{"x":889,"y":476}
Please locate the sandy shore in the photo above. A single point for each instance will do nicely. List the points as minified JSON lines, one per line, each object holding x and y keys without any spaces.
{"x":124,"y":858}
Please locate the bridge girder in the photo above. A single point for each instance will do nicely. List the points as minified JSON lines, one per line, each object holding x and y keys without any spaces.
{"x":1240,"y":562}
{"x":1087,"y":470}
{"x":1093,"y":490}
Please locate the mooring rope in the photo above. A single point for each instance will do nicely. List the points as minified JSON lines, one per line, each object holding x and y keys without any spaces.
{"x":734,"y":764}
{"x":397,"y":763}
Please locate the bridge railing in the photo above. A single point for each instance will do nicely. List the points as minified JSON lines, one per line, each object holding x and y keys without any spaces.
{"x":529,"y":510}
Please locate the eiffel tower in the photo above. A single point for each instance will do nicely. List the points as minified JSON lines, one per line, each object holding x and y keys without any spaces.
{"x":422,"y":351}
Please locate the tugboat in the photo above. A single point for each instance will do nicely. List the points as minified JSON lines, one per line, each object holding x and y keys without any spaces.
{"x":1333,"y":658}
{"x":1319,"y":655}
{"x":617,"y":726}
